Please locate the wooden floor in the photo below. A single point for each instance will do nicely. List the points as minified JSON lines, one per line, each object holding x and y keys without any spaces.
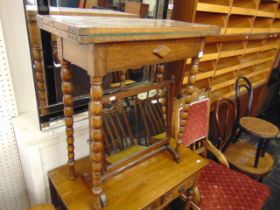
{"x":273,"y":179}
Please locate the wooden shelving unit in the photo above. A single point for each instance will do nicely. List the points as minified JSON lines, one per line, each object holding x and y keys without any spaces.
{"x":262,"y":25}
{"x":248,"y":44}
{"x":239,"y":24}
{"x":219,"y":6}
{"x":267,"y":9}
{"x":241,"y":7}
{"x":218,"y":19}
{"x":226,"y":65}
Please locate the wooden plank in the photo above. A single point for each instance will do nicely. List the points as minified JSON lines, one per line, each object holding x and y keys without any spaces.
{"x":208,"y":7}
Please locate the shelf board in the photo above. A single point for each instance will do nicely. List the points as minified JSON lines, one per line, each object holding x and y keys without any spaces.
{"x":258,"y":83}
{"x":211,"y":56}
{"x":243,"y":11}
{"x":225,"y":54}
{"x":226,"y":70}
{"x":260,"y":30}
{"x":219,"y":94}
{"x":275,"y":30}
{"x":270,"y":46}
{"x":200,"y":76}
{"x":253,"y":49}
{"x":208,"y":7}
{"x":222,"y":84}
{"x":263,"y":60}
{"x":255,"y":73}
{"x":265,"y":14}
{"x":250,"y":63}
{"x":238,"y":30}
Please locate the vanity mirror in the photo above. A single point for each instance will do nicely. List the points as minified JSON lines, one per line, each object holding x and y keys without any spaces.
{"x":46,"y":65}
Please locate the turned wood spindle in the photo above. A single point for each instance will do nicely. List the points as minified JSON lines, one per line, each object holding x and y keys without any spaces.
{"x":67,"y":89}
{"x":187,"y":99}
{"x":40,"y":79}
{"x":161,"y":92}
{"x":96,"y":133}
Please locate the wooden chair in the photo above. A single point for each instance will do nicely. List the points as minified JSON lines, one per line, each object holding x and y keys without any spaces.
{"x":220,"y":187}
{"x":241,"y":155}
{"x":254,"y":126}
{"x":120,"y":140}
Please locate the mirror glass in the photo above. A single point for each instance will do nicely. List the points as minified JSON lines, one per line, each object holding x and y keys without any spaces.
{"x":46,"y":65}
{"x":133,"y":124}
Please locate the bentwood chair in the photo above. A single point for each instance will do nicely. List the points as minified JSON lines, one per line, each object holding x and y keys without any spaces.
{"x":240,"y":154}
{"x":257,"y":127}
{"x":219,"y":187}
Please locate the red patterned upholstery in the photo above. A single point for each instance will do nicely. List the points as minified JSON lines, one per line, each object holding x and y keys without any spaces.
{"x":224,"y":189}
{"x":197,"y":123}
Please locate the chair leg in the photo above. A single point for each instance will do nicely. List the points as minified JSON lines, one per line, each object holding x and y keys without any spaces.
{"x":265,"y":145}
{"x":236,"y":137}
{"x":258,"y":152}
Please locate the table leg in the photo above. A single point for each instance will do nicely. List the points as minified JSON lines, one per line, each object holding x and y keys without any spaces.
{"x":96,"y":136}
{"x":259,"y":151}
{"x":67,"y":89}
{"x":187,"y":99}
{"x":189,"y":198}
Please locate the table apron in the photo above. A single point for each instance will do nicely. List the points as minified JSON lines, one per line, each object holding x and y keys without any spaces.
{"x":99,"y":59}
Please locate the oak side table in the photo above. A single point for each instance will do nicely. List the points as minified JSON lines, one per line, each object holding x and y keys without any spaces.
{"x":100,"y":45}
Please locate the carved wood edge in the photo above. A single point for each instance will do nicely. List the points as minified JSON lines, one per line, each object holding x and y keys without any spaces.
{"x":217,"y":153}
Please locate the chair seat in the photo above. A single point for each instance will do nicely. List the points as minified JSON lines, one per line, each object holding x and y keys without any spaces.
{"x":125,"y":153}
{"x":259,"y":127}
{"x":223,"y":189}
{"x":242,"y":155}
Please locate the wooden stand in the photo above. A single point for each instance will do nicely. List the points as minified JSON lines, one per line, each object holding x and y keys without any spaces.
{"x":106,"y":45}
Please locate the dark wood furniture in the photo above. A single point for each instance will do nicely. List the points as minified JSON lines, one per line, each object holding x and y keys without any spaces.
{"x":101,"y":45}
{"x":149,"y":185}
{"x":240,"y":155}
{"x":262,"y":129}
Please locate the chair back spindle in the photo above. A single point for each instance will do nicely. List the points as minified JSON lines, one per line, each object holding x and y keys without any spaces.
{"x":243,"y":83}
{"x":225,"y":115}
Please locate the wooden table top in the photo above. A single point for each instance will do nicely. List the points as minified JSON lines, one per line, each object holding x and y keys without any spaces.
{"x":87,"y":29}
{"x":134,"y":188}
{"x":32,"y":12}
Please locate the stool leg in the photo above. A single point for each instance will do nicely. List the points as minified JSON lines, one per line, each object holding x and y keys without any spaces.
{"x":265,"y":145}
{"x":236,"y":137}
{"x":259,"y":151}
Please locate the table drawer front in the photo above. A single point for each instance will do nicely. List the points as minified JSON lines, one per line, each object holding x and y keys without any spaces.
{"x":122,"y":56}
{"x":173,"y":193}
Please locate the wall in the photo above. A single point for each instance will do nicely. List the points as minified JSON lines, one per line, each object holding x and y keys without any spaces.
{"x":13,"y":195}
